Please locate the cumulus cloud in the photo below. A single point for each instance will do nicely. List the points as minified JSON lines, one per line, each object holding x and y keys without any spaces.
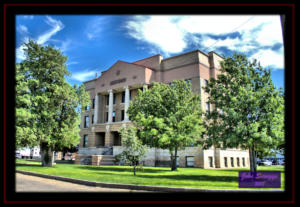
{"x":173,"y":34}
{"x":269,"y":58}
{"x":159,"y":31}
{"x":84,"y":75}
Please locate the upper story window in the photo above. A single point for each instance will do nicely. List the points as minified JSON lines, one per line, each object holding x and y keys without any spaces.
{"x":130,"y":95}
{"x":122,"y":115}
{"x":189,"y":81}
{"x":86,"y":122}
{"x":114,"y":116}
{"x":123,"y":96}
{"x":114,"y":98}
{"x":207,"y":107}
{"x":205,"y":83}
{"x":107,"y":99}
{"x":93,"y":119}
{"x":93,"y":103}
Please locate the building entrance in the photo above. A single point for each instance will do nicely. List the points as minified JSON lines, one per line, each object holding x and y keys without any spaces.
{"x":116,"y":139}
{"x":100,"y":139}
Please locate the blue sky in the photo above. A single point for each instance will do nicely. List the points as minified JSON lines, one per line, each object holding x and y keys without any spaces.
{"x":93,"y":43}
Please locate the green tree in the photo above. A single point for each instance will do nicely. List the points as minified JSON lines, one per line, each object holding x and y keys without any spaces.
{"x":134,"y":150}
{"x":248,"y":110}
{"x":167,"y":117}
{"x":47,"y":107}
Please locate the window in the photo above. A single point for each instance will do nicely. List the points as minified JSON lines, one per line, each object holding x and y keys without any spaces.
{"x":232,"y":162}
{"x":205,"y":83}
{"x":189,"y":81}
{"x":107,"y":99}
{"x":114,"y":99}
{"x":122,"y":115}
{"x":106,"y":116}
{"x":210,"y":160}
{"x":87,"y":108}
{"x":225,"y":162}
{"x":123,"y":97}
{"x":85,"y":140}
{"x":86,"y":122}
{"x":93,"y":103}
{"x":92,"y":119}
{"x":114,"y":116}
{"x":243,"y":160}
{"x":190,"y":161}
{"x":207,"y":107}
{"x":238,"y":161}
{"x":130,"y":95}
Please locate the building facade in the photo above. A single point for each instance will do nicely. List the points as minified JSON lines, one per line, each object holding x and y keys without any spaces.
{"x":112,"y":92}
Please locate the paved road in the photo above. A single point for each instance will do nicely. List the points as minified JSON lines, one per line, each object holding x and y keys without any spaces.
{"x":27,"y":183}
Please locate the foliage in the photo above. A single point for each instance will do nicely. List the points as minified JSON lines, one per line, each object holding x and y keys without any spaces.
{"x":134,"y":149}
{"x":167,"y":116}
{"x":46,"y":105}
{"x":248,"y":109}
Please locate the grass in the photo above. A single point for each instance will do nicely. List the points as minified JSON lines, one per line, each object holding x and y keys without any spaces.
{"x":154,"y":176}
{"x":27,"y":161}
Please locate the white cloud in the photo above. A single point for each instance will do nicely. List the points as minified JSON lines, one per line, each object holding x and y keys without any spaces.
{"x":269,"y":58}
{"x":72,"y":63}
{"x":28,"y":16}
{"x":159,"y":31}
{"x":56,"y":27}
{"x":172,"y":34}
{"x":84,"y":75}
{"x":20,"y":53}
{"x":95,"y":27}
{"x":22,"y":29}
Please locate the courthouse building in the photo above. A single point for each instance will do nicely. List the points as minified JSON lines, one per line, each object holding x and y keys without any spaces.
{"x":112,"y":92}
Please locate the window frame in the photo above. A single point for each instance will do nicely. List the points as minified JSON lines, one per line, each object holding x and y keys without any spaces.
{"x":86,"y":121}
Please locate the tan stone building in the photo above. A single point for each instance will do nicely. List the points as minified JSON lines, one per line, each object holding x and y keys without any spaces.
{"x":111,"y":94}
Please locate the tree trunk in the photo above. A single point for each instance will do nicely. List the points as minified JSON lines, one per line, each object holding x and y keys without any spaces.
{"x":47,"y":156}
{"x":174,"y":166}
{"x":252,"y":157}
{"x":134,"y":170}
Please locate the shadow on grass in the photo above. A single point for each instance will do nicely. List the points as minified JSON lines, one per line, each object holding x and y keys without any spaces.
{"x":127,"y":169}
{"x":193,"y":178}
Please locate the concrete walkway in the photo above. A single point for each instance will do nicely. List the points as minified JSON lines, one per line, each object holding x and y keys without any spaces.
{"x":28,"y":183}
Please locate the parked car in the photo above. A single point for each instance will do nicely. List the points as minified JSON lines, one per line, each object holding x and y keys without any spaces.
{"x":18,"y":155}
{"x":280,"y":162}
{"x":266,"y":163}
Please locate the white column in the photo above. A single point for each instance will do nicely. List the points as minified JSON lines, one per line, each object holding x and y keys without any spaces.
{"x":110,"y":106}
{"x":127,"y":101}
{"x":96,"y":109}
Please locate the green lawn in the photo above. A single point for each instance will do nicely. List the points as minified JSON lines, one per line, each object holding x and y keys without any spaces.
{"x":27,"y":161}
{"x":154,"y":176}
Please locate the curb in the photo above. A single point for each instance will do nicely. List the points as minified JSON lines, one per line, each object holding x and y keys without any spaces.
{"x":138,"y":187}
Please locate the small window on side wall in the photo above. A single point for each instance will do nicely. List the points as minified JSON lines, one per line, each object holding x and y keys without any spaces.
{"x":85,"y":140}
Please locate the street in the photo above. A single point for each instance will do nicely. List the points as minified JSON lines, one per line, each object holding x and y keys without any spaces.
{"x":26,"y":183}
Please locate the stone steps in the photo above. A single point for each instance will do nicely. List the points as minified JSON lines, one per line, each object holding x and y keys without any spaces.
{"x":107,"y":160}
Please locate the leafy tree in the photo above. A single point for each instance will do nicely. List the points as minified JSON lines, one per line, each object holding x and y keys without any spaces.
{"x":47,"y":107}
{"x":134,"y":148}
{"x":167,"y":117}
{"x":248,"y":109}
